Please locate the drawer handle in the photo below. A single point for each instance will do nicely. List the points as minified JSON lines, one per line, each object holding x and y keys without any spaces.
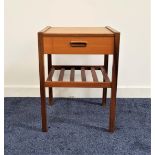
{"x":78,"y":44}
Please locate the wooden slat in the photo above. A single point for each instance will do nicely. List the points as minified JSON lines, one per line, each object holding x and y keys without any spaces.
{"x":51,"y":74}
{"x":83,"y":74}
{"x":95,"y":79}
{"x":61,"y":75}
{"x":105,"y":76}
{"x":78,"y":84}
{"x":72,"y":74}
{"x":76,"y":67}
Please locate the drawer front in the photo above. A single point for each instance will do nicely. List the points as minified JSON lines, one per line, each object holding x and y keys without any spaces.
{"x":78,"y":45}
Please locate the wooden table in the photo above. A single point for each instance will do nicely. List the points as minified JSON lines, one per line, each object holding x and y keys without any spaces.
{"x":79,"y":40}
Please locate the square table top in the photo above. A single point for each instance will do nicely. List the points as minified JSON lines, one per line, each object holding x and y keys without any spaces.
{"x":99,"y":31}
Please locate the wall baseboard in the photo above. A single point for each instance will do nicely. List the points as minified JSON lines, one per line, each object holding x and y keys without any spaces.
{"x":33,"y":91}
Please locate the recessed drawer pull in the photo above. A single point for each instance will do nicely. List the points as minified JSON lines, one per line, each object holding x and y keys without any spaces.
{"x":78,"y":44}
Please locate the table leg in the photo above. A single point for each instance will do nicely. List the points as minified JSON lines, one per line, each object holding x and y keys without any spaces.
{"x":114,"y":84}
{"x":42,"y":86}
{"x":112,"y":108}
{"x":50,"y":99}
{"x":104,"y":97}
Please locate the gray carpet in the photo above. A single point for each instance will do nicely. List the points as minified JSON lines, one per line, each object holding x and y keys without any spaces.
{"x":77,"y":127}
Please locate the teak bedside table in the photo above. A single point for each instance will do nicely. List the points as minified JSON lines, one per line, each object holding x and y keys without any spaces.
{"x":79,"y":40}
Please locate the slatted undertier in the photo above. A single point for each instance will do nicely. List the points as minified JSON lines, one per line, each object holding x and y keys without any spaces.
{"x":95,"y":83}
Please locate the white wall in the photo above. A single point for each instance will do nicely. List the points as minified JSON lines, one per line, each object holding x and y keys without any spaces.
{"x":24,"y":18}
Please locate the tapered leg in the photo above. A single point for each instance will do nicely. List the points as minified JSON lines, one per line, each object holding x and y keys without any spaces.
{"x":43,"y":110}
{"x":42,"y":87}
{"x":104,"y":97}
{"x":113,"y":94}
{"x":112,"y":110}
{"x":114,"y":84}
{"x":50,"y":99}
{"x":42,"y":92}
